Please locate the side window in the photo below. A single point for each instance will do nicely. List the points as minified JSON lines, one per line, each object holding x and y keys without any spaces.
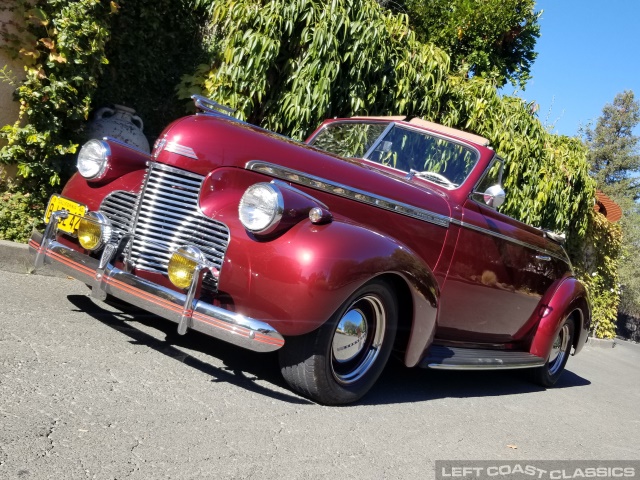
{"x":492,"y":177}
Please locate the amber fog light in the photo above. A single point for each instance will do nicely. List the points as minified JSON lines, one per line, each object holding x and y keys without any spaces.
{"x":182,"y":266}
{"x":94,"y":231}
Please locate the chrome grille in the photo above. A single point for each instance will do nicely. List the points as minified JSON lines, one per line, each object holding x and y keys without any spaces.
{"x":120,"y":208}
{"x":167,"y":217}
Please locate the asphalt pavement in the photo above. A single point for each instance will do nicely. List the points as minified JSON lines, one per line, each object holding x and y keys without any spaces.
{"x":87,"y":391}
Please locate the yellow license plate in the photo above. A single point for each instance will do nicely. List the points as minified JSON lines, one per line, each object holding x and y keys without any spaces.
{"x":75,"y":209}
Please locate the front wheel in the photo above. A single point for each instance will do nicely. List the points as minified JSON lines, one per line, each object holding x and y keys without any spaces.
{"x":550,"y":372}
{"x":339,"y":362}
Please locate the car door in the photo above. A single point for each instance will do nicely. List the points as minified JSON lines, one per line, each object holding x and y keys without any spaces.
{"x":499,"y":271}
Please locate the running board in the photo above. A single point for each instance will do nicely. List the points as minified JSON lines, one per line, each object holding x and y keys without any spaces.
{"x":457,"y":358}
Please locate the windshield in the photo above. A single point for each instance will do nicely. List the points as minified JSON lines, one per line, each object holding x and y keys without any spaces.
{"x":404,"y":148}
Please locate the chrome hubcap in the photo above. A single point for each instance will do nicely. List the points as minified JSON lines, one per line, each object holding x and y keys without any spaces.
{"x":350,"y":336}
{"x":559,"y":350}
{"x":357,"y":339}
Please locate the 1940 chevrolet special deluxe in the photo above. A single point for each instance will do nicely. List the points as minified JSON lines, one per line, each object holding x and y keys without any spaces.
{"x":376,"y":235}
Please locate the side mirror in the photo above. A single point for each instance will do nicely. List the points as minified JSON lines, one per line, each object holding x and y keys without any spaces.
{"x":493,"y":196}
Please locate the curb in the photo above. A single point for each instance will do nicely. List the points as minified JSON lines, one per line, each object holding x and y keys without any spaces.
{"x":15,"y":258}
{"x":601,"y":342}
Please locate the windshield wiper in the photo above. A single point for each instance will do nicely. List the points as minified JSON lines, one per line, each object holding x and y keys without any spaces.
{"x":433,"y":176}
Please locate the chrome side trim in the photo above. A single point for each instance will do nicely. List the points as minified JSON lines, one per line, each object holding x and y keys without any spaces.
{"x":509,"y":239}
{"x":209,"y":319}
{"x":290,"y":188}
{"x":322,"y":184}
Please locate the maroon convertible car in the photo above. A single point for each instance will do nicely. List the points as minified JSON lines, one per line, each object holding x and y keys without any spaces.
{"x":378,"y":235}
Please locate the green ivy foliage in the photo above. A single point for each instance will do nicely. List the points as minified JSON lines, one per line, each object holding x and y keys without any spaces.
{"x":55,"y":98}
{"x":596,"y":262}
{"x":83,"y":54}
{"x":288,"y":65}
{"x":63,"y":46}
{"x":489,"y":38}
{"x":547,"y":176}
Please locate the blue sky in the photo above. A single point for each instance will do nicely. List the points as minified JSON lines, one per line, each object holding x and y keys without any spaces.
{"x":588,"y":51}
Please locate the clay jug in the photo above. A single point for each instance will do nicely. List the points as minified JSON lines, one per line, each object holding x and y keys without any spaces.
{"x":121,"y":123}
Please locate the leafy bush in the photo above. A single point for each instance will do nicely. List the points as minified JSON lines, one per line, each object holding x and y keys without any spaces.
{"x":64,"y":49}
{"x":66,"y":45}
{"x":21,"y":212}
{"x":288,"y":65}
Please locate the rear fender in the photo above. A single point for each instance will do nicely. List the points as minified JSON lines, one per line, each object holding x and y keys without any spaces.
{"x":569,"y":298}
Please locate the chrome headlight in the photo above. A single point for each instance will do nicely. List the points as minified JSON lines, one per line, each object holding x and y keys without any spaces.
{"x":93,"y":159}
{"x":261,"y":208}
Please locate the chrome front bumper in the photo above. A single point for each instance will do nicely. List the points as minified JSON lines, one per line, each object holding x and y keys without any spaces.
{"x":106,"y":279}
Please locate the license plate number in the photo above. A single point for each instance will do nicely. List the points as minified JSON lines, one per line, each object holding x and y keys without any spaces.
{"x":76,"y":211}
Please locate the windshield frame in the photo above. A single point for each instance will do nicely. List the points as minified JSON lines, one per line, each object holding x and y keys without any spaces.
{"x":404,"y":126}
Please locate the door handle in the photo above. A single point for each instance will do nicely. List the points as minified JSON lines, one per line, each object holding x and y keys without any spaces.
{"x":544,"y":258}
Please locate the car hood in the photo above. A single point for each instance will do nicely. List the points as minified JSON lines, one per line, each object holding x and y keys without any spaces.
{"x":202,"y":143}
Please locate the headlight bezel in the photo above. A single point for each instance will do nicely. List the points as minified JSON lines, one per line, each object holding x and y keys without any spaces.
{"x":271,"y":213}
{"x":87,"y":156}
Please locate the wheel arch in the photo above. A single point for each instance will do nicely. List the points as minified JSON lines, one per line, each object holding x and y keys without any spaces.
{"x":417,"y":311}
{"x":569,"y":299}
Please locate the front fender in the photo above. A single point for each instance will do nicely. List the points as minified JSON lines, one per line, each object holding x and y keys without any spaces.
{"x":568,"y":298}
{"x":296,"y":281}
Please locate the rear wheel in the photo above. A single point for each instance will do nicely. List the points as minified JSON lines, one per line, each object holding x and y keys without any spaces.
{"x":550,"y":372}
{"x":339,"y":362}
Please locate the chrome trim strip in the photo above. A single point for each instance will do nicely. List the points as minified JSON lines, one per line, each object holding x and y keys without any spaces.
{"x":183,"y":150}
{"x":291,"y":188}
{"x":167,"y":168}
{"x":345,"y":191}
{"x":509,"y":239}
{"x":214,"y":321}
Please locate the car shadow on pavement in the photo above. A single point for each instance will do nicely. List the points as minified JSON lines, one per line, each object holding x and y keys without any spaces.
{"x":240,"y":369}
{"x":397,"y":384}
